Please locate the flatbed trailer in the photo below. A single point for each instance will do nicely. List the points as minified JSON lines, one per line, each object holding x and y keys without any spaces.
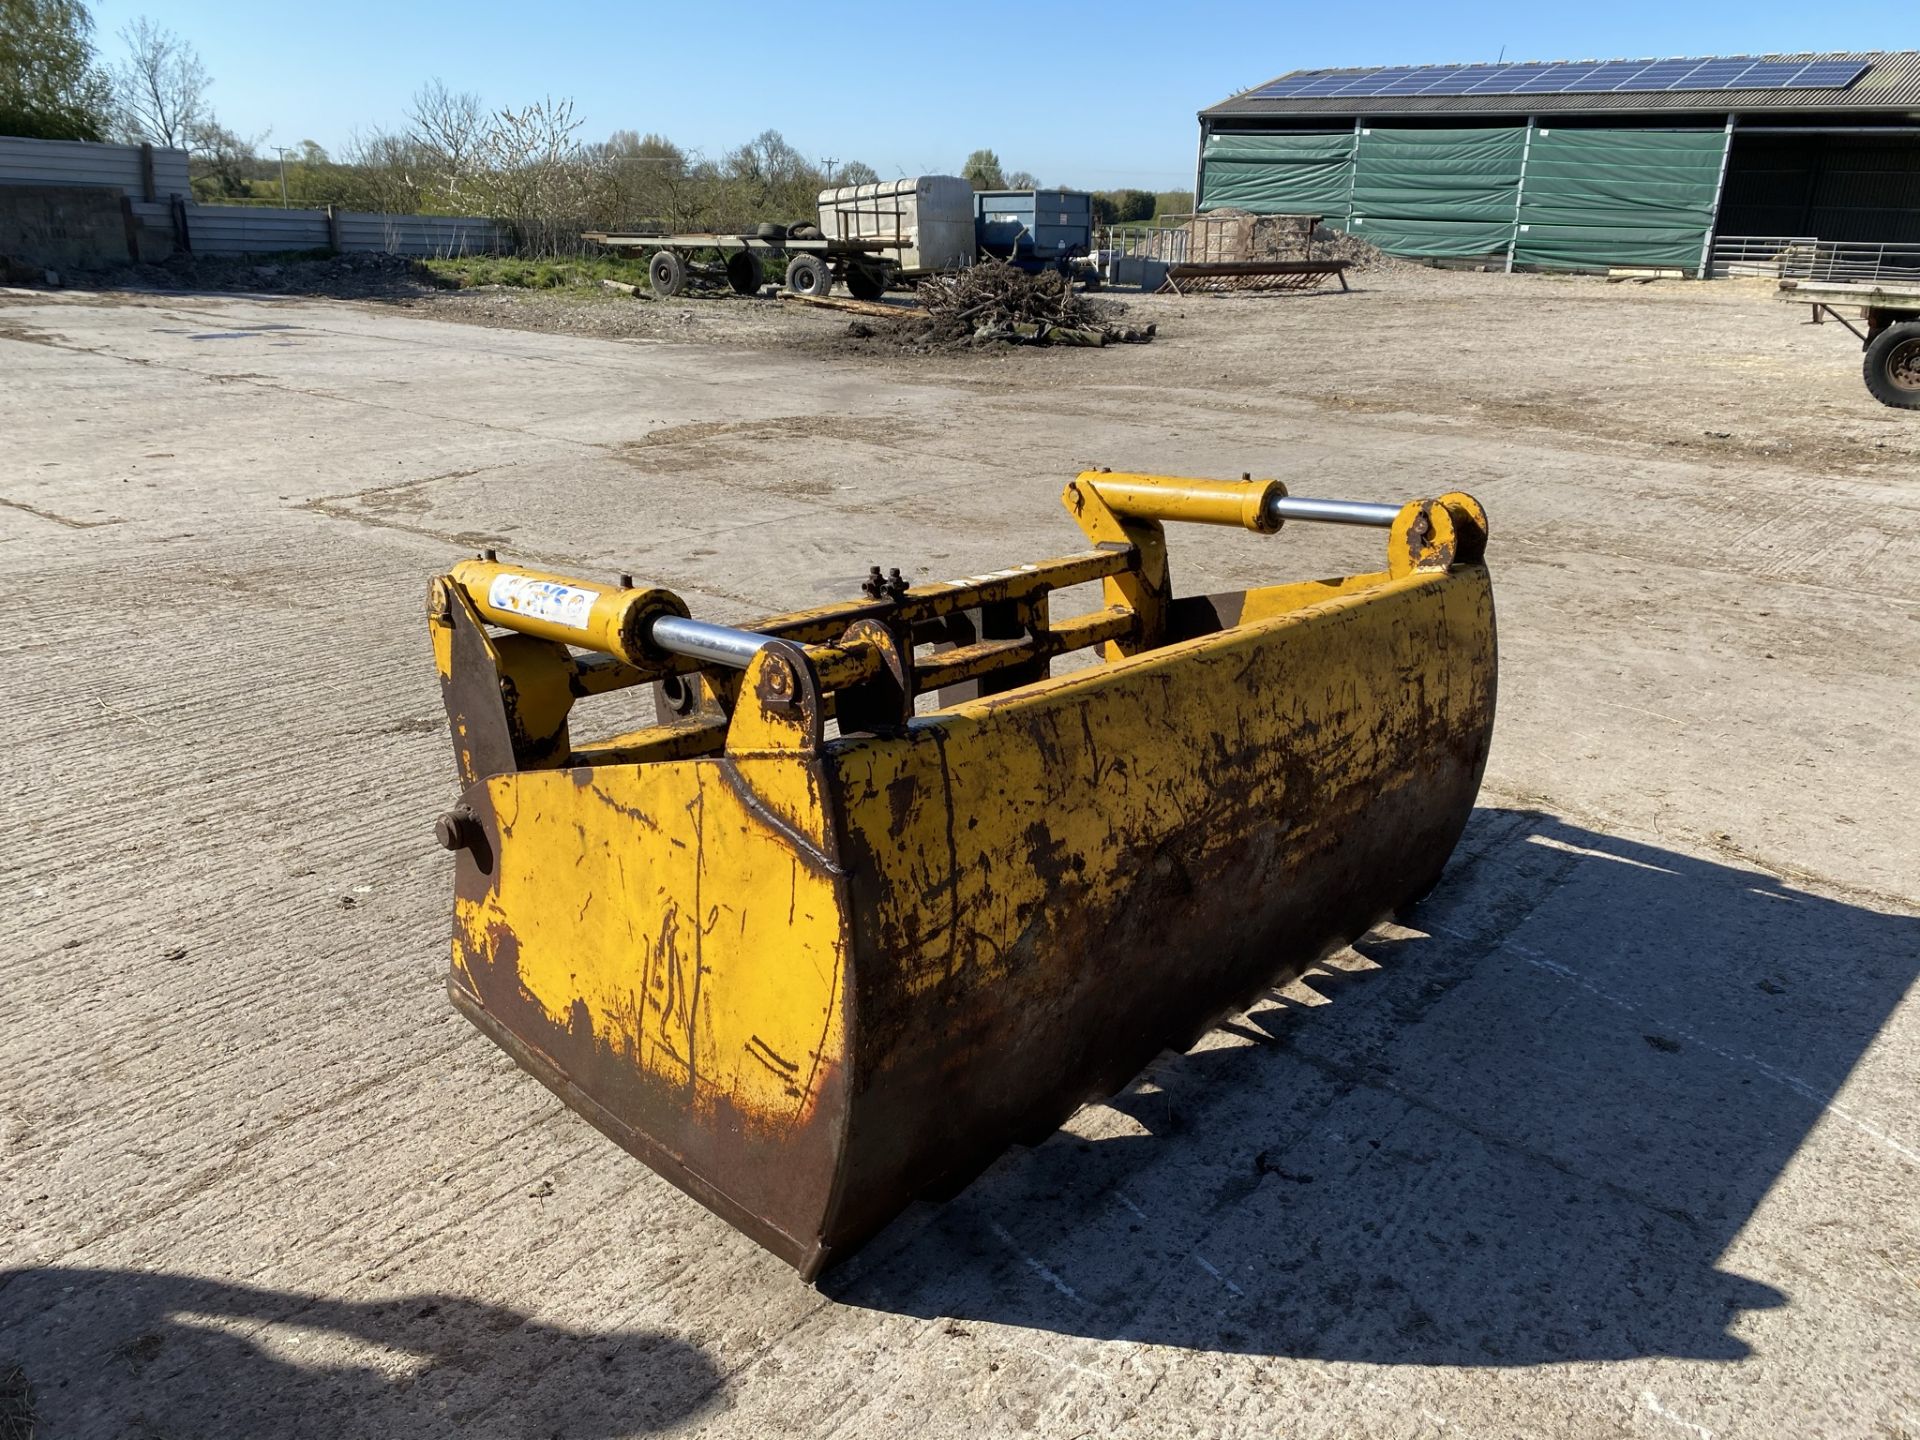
{"x":1891,"y":340}
{"x":866,"y":266}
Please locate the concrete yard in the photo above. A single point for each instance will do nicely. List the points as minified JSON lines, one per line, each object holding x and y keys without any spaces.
{"x":1619,"y":1136}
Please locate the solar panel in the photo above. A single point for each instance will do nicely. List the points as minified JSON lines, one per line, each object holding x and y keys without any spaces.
{"x":1827,"y":74}
{"x":1771,"y":74}
{"x":1662,"y":75}
{"x":1578,"y":77}
{"x":1459,"y":81}
{"x":1551,"y":79}
{"x":1300,"y":84}
{"x":1606,"y":77}
{"x":1413,"y":84}
{"x":1716,"y":74}
{"x":1504,"y":78}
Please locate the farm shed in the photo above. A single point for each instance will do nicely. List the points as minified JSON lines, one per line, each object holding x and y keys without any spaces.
{"x":1695,"y":164}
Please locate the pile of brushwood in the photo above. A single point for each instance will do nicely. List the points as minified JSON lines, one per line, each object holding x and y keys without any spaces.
{"x":994,"y":303}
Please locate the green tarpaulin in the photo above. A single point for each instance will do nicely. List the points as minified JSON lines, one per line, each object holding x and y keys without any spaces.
{"x":1433,"y":239}
{"x":1439,"y":176}
{"x":1278,"y":174}
{"x":1587,"y":197}
{"x":1578,"y":247}
{"x":1618,"y":197}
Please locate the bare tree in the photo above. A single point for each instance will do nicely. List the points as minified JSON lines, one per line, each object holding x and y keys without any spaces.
{"x":654,"y":181}
{"x":768,"y":178}
{"x":161,"y":87}
{"x":856,"y":173}
{"x":385,"y":173}
{"x":448,"y":129}
{"x":1023,"y":180}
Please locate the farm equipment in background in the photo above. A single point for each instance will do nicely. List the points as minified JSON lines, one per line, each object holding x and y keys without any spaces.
{"x":1891,"y":342}
{"x":868,"y":238}
{"x":1037,"y":229}
{"x":875,"y":894}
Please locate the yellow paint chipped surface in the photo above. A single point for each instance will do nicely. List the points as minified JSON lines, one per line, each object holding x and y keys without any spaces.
{"x":698,"y":940}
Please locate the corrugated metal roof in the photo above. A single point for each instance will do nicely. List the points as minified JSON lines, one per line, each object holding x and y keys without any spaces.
{"x":1891,"y":85}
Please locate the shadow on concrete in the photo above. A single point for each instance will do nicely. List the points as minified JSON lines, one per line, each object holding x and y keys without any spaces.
{"x":1522,"y":1129}
{"x":120,"y":1352}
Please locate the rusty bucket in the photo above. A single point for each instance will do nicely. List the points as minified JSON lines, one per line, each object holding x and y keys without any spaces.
{"x":878,"y":894}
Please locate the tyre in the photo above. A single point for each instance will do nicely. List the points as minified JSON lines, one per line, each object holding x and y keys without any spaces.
{"x":667,"y":274}
{"x":770,"y":231}
{"x":745,"y":273}
{"x":866,"y":282}
{"x":1893,"y":366}
{"x":809,"y":275}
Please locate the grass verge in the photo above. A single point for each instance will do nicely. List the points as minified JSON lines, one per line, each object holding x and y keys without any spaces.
{"x":468,"y":271}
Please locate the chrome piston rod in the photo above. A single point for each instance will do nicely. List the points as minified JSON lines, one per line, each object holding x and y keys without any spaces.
{"x":700,"y":640}
{"x":1333,"y":512}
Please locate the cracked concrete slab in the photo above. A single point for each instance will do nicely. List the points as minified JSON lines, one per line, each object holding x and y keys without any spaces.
{"x":1613,"y":1136}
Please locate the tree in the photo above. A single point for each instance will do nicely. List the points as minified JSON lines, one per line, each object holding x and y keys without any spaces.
{"x":447,"y":128}
{"x":982,"y":171}
{"x":1123,"y":207}
{"x":769,"y":179}
{"x":50,"y":86}
{"x":382,"y":173}
{"x":223,"y":162}
{"x":532,"y":172}
{"x":161,"y":87}
{"x":652,"y":180}
{"x":855,"y":173}
{"x":1023,"y":180}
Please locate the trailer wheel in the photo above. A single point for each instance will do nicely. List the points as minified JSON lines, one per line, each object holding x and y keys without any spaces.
{"x":866,"y":282}
{"x":1893,"y":366}
{"x":809,"y":275}
{"x":667,"y":273}
{"x":745,"y":273}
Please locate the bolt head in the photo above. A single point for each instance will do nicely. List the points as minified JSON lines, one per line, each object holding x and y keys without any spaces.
{"x":458,"y":829}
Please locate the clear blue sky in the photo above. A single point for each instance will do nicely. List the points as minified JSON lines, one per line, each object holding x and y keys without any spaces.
{"x":1097,"y":95}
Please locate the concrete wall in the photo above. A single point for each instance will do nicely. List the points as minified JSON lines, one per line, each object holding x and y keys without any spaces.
{"x":254,"y":229}
{"x":49,"y":223}
{"x":422,"y":234}
{"x":63,"y":226}
{"x":127,"y":168}
{"x":263,"y":230}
